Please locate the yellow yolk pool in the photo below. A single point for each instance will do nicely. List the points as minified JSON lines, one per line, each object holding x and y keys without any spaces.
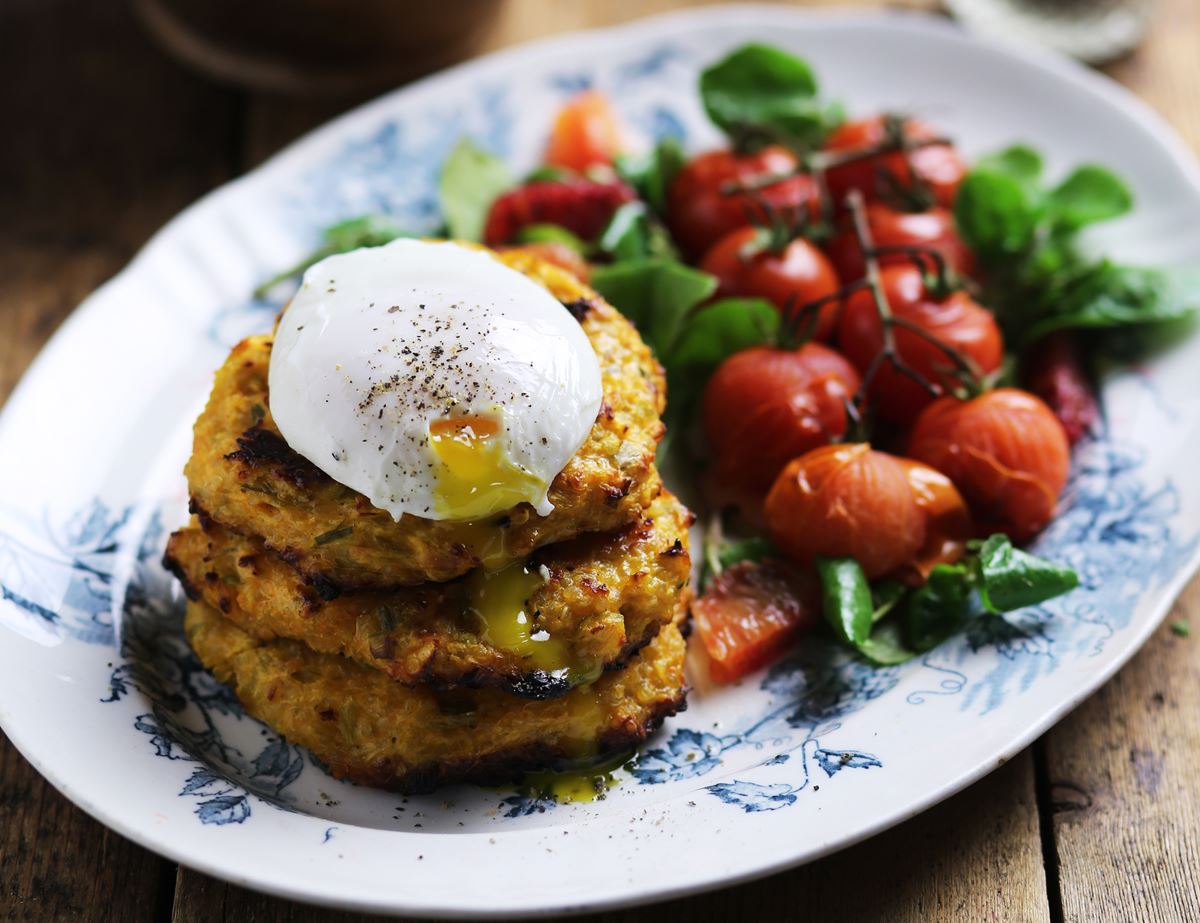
{"x":475,"y":478}
{"x":500,"y":599}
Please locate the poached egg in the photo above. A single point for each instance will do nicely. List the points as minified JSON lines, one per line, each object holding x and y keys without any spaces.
{"x":433,"y":379}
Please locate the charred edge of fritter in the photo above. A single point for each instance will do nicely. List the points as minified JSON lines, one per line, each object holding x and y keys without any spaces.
{"x":261,"y":448}
{"x":538,"y":685}
{"x":173,"y":566}
{"x":579,"y":308}
{"x":510,"y":766}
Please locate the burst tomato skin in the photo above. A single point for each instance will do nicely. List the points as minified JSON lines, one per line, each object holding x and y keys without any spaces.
{"x":751,"y":612}
{"x":1054,"y":372}
{"x":699,"y":212}
{"x":938,"y":166}
{"x":789,"y":278}
{"x":764,"y":406}
{"x":586,"y":133}
{"x":1006,"y":453}
{"x":947,"y":520}
{"x":846,"y":501}
{"x":934,"y":229}
{"x":582,"y":206}
{"x":957,"y":321}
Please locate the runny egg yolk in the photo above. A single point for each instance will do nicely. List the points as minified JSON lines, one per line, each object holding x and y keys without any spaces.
{"x":475,"y":478}
{"x":501,"y":601}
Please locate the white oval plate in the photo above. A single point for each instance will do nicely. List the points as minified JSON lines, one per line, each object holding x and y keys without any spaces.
{"x":99,"y":691}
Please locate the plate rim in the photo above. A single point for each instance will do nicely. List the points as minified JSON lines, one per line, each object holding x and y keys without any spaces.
{"x":1082,"y":78}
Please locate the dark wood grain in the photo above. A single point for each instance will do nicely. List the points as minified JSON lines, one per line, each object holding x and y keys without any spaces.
{"x":111,"y":139}
{"x":1124,"y":788}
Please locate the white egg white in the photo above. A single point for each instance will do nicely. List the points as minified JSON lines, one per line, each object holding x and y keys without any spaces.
{"x":380,"y":343}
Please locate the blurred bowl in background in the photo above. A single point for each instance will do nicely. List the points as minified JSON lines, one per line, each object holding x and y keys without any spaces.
{"x":1094,"y":31}
{"x":319,"y":47}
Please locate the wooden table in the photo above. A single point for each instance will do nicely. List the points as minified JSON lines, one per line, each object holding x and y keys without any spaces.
{"x":107,"y":138}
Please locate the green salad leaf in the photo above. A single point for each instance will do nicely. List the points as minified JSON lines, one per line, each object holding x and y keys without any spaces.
{"x":937,"y":609}
{"x":1025,"y":233}
{"x":666,"y":301}
{"x":471,"y":180}
{"x":656,"y":294}
{"x":721,"y":553}
{"x":715,"y":332}
{"x":1019,"y":163}
{"x":1009,"y":578}
{"x":651,"y":173}
{"x":1088,"y":195}
{"x":846,"y":599}
{"x":885,"y":647}
{"x":551,"y":234}
{"x":889,"y":623}
{"x":342,"y":237}
{"x":996,"y":214}
{"x":1104,"y":295}
{"x":763,"y":92}
{"x":886,"y":594}
{"x":634,"y":233}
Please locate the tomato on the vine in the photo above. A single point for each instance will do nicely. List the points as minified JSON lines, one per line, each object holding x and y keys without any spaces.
{"x":586,"y":133}
{"x":938,"y":167}
{"x":957,"y":321}
{"x":788,"y":277}
{"x":933,"y":229}
{"x":701,"y":208}
{"x":892,"y":515}
{"x":764,"y":406}
{"x":1005,"y":451}
{"x":846,"y":501}
{"x":751,"y":612}
{"x":947,"y":520}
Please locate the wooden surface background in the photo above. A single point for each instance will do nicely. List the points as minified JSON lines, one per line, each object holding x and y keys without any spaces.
{"x":107,"y":138}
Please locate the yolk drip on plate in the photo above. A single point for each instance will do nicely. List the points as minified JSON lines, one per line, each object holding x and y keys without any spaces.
{"x":585,"y":782}
{"x":500,"y":599}
{"x":475,"y":478}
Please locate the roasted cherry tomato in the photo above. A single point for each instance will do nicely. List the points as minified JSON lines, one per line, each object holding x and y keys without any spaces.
{"x":957,"y":321}
{"x":1054,"y":372}
{"x":586,"y":133}
{"x":751,"y":612}
{"x":938,"y":166}
{"x":764,"y":406}
{"x":947,"y":520}
{"x":580,"y":205}
{"x":558,"y":254}
{"x":1005,"y":451}
{"x":847,"y":501}
{"x":700,"y":209}
{"x":788,"y":278}
{"x":933,"y":229}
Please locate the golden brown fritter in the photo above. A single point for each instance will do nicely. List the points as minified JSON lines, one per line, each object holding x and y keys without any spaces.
{"x":367,"y":728}
{"x":599,"y":599}
{"x":244,"y":475}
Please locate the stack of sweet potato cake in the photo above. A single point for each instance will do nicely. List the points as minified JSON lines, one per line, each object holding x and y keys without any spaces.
{"x":415,"y":652}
